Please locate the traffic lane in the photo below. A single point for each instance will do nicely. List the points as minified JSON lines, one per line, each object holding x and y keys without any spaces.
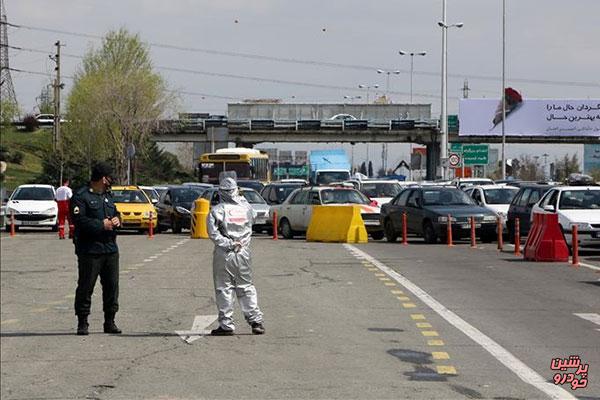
{"x":334,"y":329}
{"x":523,"y":306}
{"x":329,"y":335}
{"x":41,"y":356}
{"x":589,"y":253}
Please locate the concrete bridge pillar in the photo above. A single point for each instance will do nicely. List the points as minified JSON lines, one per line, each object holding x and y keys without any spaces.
{"x":433,"y":157}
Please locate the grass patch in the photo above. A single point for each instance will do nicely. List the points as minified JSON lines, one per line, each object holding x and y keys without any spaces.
{"x":33,"y":145}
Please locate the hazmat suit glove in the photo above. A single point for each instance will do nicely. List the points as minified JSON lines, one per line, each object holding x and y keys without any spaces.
{"x":237,"y":247}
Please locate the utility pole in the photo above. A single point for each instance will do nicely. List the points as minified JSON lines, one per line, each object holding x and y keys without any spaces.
{"x":466,"y":89}
{"x":58,"y":85}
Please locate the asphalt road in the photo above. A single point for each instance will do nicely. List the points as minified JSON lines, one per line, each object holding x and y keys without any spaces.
{"x":368,"y":321}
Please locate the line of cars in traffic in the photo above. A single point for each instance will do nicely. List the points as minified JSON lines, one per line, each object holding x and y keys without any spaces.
{"x":428,"y":206}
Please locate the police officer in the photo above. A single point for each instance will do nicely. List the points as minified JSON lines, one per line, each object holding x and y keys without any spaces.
{"x":229,"y":226}
{"x":95,"y":219}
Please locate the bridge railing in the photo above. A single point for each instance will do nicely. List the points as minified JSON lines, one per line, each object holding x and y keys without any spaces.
{"x":201,"y":125}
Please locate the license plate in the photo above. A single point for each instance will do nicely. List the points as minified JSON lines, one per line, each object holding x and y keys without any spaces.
{"x":260,"y":221}
{"x":29,"y":223}
{"x":372,"y":223}
{"x":468,"y":226}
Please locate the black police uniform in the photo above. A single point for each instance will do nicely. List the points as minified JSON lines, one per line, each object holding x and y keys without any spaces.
{"x":97,"y":251}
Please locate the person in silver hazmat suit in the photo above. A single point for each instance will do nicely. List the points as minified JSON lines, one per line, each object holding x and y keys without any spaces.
{"x":229,"y":225}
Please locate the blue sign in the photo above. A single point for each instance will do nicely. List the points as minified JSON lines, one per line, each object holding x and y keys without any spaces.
{"x":591,"y":158}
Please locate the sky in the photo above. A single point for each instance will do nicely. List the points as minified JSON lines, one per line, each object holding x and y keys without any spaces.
{"x":552,"y":50}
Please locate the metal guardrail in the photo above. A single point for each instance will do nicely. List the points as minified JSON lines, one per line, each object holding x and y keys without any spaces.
{"x":294,"y":125}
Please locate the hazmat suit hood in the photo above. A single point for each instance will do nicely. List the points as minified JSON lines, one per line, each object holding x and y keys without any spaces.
{"x":228,"y":190}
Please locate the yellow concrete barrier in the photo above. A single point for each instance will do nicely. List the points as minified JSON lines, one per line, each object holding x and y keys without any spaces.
{"x":199,"y":215}
{"x":337,"y":224}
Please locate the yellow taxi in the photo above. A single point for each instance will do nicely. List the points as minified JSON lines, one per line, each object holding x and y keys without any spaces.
{"x":134,"y":207}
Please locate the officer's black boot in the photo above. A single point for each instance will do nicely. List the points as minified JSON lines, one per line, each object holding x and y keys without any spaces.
{"x":109,"y":323}
{"x":82,"y":325}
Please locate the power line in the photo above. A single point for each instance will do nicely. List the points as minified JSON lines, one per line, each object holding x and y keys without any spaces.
{"x":293,"y":60}
{"x":251,"y":78}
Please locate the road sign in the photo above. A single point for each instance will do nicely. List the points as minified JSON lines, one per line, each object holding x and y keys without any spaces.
{"x":472,"y":154}
{"x":454,"y":160}
{"x":475,"y":154}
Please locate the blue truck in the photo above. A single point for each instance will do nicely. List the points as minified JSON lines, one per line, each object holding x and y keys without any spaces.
{"x":327,"y":166}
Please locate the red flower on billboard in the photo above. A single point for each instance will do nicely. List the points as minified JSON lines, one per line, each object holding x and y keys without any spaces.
{"x":514,"y":100}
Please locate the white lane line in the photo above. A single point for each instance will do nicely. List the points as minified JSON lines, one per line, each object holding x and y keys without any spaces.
{"x":153,"y":257}
{"x":201,"y":322}
{"x":166,"y":251}
{"x":148,"y":260}
{"x":595,"y":318}
{"x":525,"y":373}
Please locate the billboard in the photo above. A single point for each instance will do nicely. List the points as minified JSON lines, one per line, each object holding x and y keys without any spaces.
{"x":530,"y":117}
{"x":591,"y":158}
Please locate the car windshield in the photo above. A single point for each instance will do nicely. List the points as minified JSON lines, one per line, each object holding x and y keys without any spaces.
{"x":33,"y":193}
{"x":282,"y":192}
{"x":151,"y":194}
{"x":386,"y":189}
{"x":186,"y":195}
{"x":129,"y":196}
{"x":580,"y":200}
{"x":253,"y":197}
{"x":499,"y":196}
{"x":252,"y":185}
{"x":327,"y":177}
{"x":343,"y":196}
{"x":446,"y":197}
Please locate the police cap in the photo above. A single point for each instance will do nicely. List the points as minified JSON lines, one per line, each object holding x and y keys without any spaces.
{"x":100,"y":170}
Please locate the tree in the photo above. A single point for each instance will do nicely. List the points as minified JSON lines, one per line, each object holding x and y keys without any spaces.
{"x":8,"y":112}
{"x":116,"y":100}
{"x":529,"y":168}
{"x":363,"y":168}
{"x":565,"y":166}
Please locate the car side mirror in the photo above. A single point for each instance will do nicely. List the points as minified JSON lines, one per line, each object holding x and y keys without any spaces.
{"x":549,"y":208}
{"x":154,"y":201}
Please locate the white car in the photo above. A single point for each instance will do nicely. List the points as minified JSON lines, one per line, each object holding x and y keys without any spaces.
{"x":463,"y":183}
{"x":293,"y":215}
{"x":32,"y":205}
{"x":494,"y":197}
{"x":381,"y":191}
{"x":575,"y":205}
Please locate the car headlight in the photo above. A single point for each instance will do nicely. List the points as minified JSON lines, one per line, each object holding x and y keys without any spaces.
{"x":580,"y":225}
{"x":445,"y":219}
{"x":10,"y":210}
{"x":146,"y":214}
{"x":489,"y":218}
{"x":182,"y":210}
{"x":50,"y":211}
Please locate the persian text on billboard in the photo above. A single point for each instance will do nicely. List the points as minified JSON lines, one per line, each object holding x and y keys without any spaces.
{"x":532,"y":117}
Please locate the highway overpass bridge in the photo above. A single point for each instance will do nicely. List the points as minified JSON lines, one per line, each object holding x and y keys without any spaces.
{"x":248,"y":124}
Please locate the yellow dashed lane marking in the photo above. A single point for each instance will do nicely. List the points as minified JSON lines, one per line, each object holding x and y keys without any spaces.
{"x":403,"y":298}
{"x":9,"y":321}
{"x":423,"y":325}
{"x":385,"y":279}
{"x":373,"y":269}
{"x":125,"y":272}
{"x":417,"y":317}
{"x":429,"y":333}
{"x":70,"y":296}
{"x":397,"y":292}
{"x":379,"y":274}
{"x":408,"y":305}
{"x":435,"y":342}
{"x":38,"y":310}
{"x":389,"y":284}
{"x":52,"y":303}
{"x":446,"y":370}
{"x":440,"y":355}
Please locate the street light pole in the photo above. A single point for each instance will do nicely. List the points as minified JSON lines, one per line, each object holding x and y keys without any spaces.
{"x":444,"y":111}
{"x":412,"y":55}
{"x":503,"y":88}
